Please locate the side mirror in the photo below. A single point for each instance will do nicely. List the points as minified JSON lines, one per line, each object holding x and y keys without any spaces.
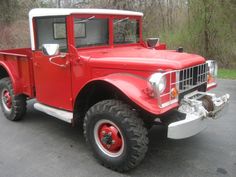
{"x":51,"y":49}
{"x":152,"y":42}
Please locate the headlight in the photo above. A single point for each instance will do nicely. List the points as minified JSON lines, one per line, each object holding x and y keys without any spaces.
{"x":158,"y":81}
{"x":213,"y":67}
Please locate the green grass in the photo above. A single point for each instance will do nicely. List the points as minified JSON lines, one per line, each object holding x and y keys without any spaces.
{"x":227,"y":73}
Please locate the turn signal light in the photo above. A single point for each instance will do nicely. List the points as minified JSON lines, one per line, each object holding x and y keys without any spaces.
{"x":174,"y":92}
{"x":210,"y":78}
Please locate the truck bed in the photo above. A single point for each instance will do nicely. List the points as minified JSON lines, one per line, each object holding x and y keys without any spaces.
{"x":19,"y":67}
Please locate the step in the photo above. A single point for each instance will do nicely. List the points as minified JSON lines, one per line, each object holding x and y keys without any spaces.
{"x":57,"y":113}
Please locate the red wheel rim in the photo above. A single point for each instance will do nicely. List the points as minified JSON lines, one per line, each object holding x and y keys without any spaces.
{"x":6,"y":100}
{"x":109,"y":138}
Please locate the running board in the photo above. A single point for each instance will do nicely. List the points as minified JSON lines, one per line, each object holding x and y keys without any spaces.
{"x":58,"y":113}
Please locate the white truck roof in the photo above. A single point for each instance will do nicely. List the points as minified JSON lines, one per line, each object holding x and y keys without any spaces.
{"x":42,"y":12}
{"x":39,"y":12}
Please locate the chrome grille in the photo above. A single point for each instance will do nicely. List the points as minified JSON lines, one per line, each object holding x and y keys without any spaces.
{"x":192,"y":77}
{"x":184,"y":80}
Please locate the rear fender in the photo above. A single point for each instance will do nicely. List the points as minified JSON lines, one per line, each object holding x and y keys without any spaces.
{"x":134,"y":87}
{"x":13,"y":76}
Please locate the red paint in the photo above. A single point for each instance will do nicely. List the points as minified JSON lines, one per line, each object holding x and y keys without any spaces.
{"x":18,"y":64}
{"x":7,"y":99}
{"x":52,"y":83}
{"x":126,"y":66}
{"x":110,"y":137}
{"x":161,"y":47}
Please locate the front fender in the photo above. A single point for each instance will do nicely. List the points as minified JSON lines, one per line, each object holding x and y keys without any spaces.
{"x":133,"y":87}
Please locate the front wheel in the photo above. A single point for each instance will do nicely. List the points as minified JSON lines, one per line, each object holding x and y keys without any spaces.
{"x":116,"y":135}
{"x":13,"y":107}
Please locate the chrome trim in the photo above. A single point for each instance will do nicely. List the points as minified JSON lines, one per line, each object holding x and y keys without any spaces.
{"x":186,"y":79}
{"x":51,"y":49}
{"x":58,"y":56}
{"x":57,"y":113}
{"x":192,"y":77}
{"x":211,"y":84}
{"x":169,"y":103}
{"x":196,"y":114}
{"x":155,"y":80}
{"x":212,"y":63}
{"x":188,"y":127}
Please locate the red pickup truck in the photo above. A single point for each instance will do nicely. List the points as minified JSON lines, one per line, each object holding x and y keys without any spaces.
{"x":93,"y":67}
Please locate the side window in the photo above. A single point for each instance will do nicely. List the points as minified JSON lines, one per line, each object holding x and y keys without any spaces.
{"x":51,"y":30}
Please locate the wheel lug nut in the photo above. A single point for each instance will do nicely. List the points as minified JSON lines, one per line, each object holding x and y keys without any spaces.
{"x":113,"y":141}
{"x":103,"y":132}
{"x":108,"y":146}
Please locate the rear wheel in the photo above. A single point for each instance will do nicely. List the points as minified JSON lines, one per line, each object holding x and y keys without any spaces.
{"x":116,"y":135}
{"x":13,"y":107}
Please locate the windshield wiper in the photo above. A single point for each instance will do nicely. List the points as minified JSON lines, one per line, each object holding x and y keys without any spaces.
{"x":121,"y":20}
{"x":85,"y":20}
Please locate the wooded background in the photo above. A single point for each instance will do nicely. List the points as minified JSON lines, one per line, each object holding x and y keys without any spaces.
{"x":205,"y":27}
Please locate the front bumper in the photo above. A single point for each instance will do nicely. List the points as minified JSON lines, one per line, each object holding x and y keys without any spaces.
{"x":196,"y":114}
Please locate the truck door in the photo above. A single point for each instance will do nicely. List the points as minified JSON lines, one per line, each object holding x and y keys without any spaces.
{"x":52,"y":73}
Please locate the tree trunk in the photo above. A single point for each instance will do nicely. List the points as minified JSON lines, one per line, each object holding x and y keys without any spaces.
{"x":206,"y":30}
{"x":59,"y":3}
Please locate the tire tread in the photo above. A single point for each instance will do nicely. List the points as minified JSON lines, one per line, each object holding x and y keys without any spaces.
{"x":18,"y":101}
{"x":134,"y":127}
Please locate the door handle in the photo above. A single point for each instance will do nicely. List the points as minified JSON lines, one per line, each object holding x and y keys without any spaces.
{"x":58,"y":56}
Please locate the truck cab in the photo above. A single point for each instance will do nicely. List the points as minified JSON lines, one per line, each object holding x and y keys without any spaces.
{"x":93,"y":67}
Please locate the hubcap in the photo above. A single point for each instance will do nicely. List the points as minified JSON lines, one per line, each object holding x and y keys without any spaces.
{"x":109,"y":138}
{"x":6,"y":100}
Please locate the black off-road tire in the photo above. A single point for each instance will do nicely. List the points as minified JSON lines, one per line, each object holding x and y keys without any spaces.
{"x":148,"y":125}
{"x":18,"y":107}
{"x":131,"y":127}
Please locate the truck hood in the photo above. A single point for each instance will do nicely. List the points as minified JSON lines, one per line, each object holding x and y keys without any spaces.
{"x":140,"y":58}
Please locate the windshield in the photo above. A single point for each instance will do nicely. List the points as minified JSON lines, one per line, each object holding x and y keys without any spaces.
{"x":91,"y":31}
{"x":126,"y":31}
